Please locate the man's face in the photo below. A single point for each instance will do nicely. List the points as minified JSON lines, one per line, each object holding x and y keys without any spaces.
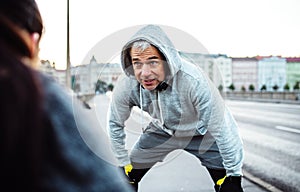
{"x":148,"y":67}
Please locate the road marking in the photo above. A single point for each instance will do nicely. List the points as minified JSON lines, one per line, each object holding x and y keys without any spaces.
{"x":287,"y":129}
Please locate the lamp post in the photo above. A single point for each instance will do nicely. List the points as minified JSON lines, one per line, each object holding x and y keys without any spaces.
{"x":68,"y":70}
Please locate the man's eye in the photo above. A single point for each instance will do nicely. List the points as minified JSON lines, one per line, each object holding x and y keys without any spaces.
{"x":153,"y":63}
{"x":137,"y":63}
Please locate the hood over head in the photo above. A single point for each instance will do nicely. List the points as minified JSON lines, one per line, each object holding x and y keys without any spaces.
{"x":158,"y":38}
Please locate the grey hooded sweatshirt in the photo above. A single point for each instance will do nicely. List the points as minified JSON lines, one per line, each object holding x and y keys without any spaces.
{"x":190,"y":105}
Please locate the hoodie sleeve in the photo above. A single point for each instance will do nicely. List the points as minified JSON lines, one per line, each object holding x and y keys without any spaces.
{"x":216,"y":118}
{"x":119,"y":112}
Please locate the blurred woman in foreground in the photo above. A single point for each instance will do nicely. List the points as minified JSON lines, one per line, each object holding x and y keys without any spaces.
{"x":41,"y":144}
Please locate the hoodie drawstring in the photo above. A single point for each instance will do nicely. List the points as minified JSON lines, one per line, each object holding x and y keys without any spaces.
{"x":161,"y":119}
{"x":160,"y":110}
{"x":142,"y":113}
{"x":170,"y":132}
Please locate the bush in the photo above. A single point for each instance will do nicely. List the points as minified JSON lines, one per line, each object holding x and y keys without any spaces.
{"x":275,"y":87}
{"x":263,"y":88}
{"x":251,"y":87}
{"x":243,"y":88}
{"x":286,"y":87}
{"x":231,"y":87}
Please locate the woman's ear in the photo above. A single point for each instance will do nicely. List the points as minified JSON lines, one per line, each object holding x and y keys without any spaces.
{"x":34,"y":44}
{"x":32,"y":41}
{"x":34,"y":49}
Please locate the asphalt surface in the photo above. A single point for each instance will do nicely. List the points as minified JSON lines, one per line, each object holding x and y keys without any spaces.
{"x":180,"y":171}
{"x":183,"y":172}
{"x":271,"y":137}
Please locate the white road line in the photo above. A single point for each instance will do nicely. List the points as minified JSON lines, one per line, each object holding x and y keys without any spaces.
{"x":287,"y":129}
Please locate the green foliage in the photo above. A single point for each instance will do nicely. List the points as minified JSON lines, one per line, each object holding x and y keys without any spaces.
{"x":286,"y":87}
{"x":263,"y":88}
{"x":297,"y":85}
{"x":110,"y":87}
{"x":231,"y":87}
{"x":243,"y":88}
{"x":101,"y":86}
{"x":275,"y":87}
{"x":220,"y":88}
{"x":251,"y":87}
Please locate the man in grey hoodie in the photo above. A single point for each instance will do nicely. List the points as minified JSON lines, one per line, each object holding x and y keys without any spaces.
{"x":187,"y":112}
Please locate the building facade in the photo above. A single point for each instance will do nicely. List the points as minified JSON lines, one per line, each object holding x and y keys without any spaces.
{"x":242,"y":72}
{"x":245,"y":73}
{"x":224,"y":65}
{"x":271,"y":73}
{"x":292,"y":71}
{"x":48,"y":68}
{"x":85,"y":77}
{"x":217,"y":67}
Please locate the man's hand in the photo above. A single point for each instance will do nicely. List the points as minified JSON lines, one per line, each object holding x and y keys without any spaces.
{"x":127,"y":169}
{"x":230,"y":184}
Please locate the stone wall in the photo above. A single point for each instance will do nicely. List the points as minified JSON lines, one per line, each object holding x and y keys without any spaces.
{"x":265,"y":96}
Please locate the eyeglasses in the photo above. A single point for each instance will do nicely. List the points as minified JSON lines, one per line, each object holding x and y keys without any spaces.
{"x":153,"y":63}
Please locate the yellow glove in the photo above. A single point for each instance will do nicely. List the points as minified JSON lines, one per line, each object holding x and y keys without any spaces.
{"x":221,"y":181}
{"x":127,"y":169}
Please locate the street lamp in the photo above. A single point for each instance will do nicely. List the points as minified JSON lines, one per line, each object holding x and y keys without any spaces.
{"x":68,"y":69}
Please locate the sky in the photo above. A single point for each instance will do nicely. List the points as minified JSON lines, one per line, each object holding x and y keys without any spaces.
{"x":237,"y":28}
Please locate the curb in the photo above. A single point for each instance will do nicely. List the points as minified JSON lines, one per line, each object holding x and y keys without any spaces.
{"x":260,"y":182}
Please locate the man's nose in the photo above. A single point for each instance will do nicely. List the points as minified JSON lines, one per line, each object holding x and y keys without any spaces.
{"x":145,"y":71}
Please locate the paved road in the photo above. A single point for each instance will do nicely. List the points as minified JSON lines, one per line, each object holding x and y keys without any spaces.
{"x":179,"y":172}
{"x":271,"y":135}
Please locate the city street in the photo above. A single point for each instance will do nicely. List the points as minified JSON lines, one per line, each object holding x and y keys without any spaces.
{"x":271,"y":136}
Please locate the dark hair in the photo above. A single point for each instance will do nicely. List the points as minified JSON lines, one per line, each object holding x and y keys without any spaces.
{"x":21,"y":113}
{"x":23,"y":13}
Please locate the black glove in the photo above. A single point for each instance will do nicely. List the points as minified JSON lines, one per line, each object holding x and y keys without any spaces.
{"x":126,"y":170}
{"x":231,"y":184}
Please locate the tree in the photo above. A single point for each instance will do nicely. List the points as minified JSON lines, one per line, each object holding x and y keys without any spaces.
{"x":275,"y":87}
{"x":263,"y":88}
{"x":251,"y":87}
{"x":231,"y":87}
{"x":110,"y":87}
{"x":101,"y":86}
{"x":243,"y":88}
{"x":286,"y":87}
{"x":220,"y":88}
{"x":297,"y":85}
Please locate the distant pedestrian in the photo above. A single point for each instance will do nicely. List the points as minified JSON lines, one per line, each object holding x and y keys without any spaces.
{"x":41,"y":147}
{"x":187,"y":112}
